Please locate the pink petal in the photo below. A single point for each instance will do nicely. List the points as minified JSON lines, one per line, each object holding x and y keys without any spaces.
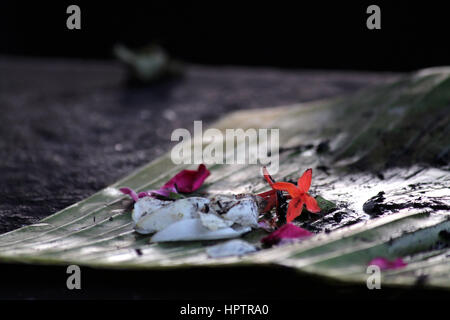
{"x":164,"y":191}
{"x":130,"y":192}
{"x":288,"y":231}
{"x":144,"y":194}
{"x":386,"y":264}
{"x":187,"y":181}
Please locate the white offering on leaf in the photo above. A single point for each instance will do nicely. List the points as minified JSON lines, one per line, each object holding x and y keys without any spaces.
{"x":195,"y":218}
{"x":145,"y":206}
{"x":167,"y":214}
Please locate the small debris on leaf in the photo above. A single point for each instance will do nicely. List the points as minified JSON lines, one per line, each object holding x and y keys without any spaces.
{"x":373,"y":206}
{"x":325,"y":205}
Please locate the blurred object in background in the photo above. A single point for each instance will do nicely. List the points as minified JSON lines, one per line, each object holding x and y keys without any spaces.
{"x":148,"y":64}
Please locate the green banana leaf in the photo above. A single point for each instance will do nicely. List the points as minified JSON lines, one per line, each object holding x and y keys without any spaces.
{"x":392,"y":138}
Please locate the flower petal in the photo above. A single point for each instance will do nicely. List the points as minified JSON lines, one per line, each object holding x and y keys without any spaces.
{"x":311,"y":204}
{"x":288,"y":231}
{"x":187,"y":181}
{"x":304,"y":182}
{"x":130,"y":192}
{"x":143,"y":194}
{"x":165,"y":192}
{"x":386,"y":264}
{"x":266,"y":194}
{"x":286,"y":186}
{"x":271,"y":203}
{"x":270,"y":197}
{"x":294,"y":209}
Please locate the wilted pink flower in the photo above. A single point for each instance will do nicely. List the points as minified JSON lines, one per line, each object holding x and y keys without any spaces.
{"x":286,"y":232}
{"x":130,"y":192}
{"x":186,"y":181}
{"x":386,"y":264}
{"x":165,"y":192}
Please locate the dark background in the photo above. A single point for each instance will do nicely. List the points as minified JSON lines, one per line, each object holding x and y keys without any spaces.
{"x":315,"y":34}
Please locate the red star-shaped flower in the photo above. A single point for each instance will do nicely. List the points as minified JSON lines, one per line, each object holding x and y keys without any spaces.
{"x":299,"y":195}
{"x":270,"y":197}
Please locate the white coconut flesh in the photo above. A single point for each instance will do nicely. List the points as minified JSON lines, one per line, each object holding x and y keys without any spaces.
{"x":244,"y":212}
{"x":213,"y":221}
{"x":164,"y":216}
{"x":145,"y":206}
{"x":193,"y":229}
{"x":230,"y":248}
{"x":221,"y":217}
